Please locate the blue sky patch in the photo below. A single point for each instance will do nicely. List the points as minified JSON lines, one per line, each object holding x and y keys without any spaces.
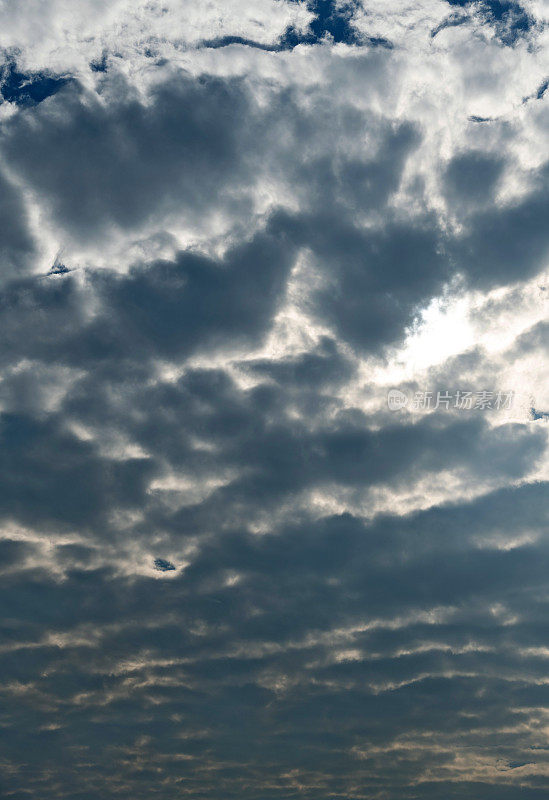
{"x":509,"y":19}
{"x":26,"y":89}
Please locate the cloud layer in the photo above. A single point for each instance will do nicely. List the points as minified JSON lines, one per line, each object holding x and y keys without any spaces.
{"x":229,"y":567}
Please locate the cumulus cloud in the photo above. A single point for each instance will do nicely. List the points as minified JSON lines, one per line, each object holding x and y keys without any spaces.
{"x":230,"y":567}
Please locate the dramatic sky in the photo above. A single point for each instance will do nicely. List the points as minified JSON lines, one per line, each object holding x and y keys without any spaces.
{"x":232,"y":565}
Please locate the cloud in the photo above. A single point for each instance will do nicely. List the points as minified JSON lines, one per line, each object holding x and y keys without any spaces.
{"x":507,"y":243}
{"x":473,"y":176}
{"x":17,"y":246}
{"x":510,"y":19}
{"x":228,"y":567}
{"x":176,"y":153}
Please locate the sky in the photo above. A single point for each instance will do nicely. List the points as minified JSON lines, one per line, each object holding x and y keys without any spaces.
{"x":274,"y":400}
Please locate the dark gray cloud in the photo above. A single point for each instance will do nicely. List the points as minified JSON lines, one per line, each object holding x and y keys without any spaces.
{"x":164,"y":309}
{"x":168,"y":697}
{"x":49,"y":476}
{"x":310,"y":370}
{"x":472,"y":176}
{"x":379,"y":278}
{"x":507,"y":243}
{"x":97,"y":163}
{"x":17,"y":245}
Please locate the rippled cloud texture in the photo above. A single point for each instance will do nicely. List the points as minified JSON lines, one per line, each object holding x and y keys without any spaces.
{"x":229,"y":569}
